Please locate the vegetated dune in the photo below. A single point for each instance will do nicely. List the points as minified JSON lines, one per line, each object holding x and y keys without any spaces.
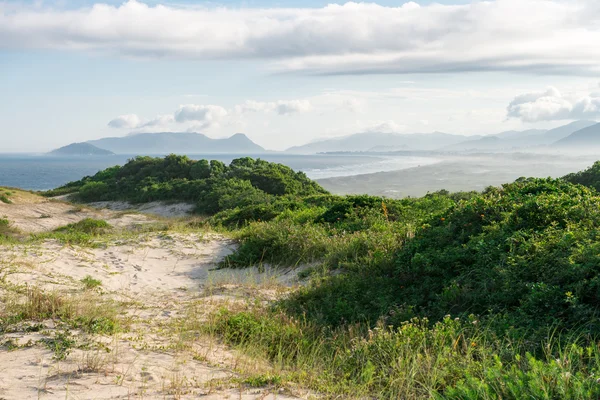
{"x":456,"y":295}
{"x":31,"y":213}
{"x":116,"y":311}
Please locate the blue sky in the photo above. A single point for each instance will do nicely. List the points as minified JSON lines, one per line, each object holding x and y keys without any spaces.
{"x":286,"y":73}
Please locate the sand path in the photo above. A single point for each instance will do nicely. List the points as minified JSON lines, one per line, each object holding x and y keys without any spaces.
{"x":161,"y":281}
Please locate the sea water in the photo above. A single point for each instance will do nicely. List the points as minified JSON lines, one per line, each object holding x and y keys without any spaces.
{"x":42,"y":172}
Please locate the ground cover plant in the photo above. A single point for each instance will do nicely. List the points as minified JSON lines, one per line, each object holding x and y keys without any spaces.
{"x":490,"y":295}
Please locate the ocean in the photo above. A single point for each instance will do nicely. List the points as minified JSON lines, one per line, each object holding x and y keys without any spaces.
{"x":41,"y":172}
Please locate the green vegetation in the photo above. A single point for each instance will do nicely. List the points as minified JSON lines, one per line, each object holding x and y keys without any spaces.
{"x":87,"y":312}
{"x":84,"y":232}
{"x":450,"y":359}
{"x":90,"y":283}
{"x":213,"y":186}
{"x":5,"y":196}
{"x":490,"y":295}
{"x":589,"y":177}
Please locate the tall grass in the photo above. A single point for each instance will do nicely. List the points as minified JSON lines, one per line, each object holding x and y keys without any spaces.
{"x":450,"y":359}
{"x":88,"y":311}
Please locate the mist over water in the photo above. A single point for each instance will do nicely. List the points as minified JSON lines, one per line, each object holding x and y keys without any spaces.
{"x":386,"y":164}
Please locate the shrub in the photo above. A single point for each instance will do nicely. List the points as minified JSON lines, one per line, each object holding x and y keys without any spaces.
{"x":528,"y":251}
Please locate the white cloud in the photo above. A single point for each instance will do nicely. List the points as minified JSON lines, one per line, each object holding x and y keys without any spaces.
{"x":129,"y":121}
{"x":385,"y":127}
{"x":292,"y":106}
{"x":281,"y":107}
{"x":203,"y":116}
{"x":553,"y":105}
{"x":159,"y":121}
{"x":199,"y":117}
{"x":541,"y":36}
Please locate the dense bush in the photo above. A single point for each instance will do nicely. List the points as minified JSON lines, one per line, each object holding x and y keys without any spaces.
{"x":213,"y":185}
{"x":589,"y":177}
{"x":529,"y":250}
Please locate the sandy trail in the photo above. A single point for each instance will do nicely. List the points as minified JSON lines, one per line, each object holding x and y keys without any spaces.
{"x":159,"y":277}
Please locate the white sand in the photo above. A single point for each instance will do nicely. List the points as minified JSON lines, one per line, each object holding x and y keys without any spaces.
{"x":161,"y":276}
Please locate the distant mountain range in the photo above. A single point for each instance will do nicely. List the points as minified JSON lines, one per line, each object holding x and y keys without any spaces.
{"x":80,"y":149}
{"x":580,"y":135}
{"x":438,"y":141}
{"x":177,"y":142}
{"x":584,"y":139}
{"x":382,"y":142}
{"x":520,"y":139}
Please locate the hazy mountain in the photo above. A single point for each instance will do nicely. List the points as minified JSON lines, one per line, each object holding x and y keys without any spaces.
{"x":584,"y":139}
{"x":384,"y":148}
{"x":561,"y":132}
{"x":511,"y":140}
{"x":80,"y":149}
{"x":527,"y":133}
{"x":484,"y":143}
{"x":177,"y":142}
{"x":381,"y":141}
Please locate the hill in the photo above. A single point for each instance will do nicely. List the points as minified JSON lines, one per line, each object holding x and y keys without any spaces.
{"x":380,"y":141}
{"x":178,"y":142}
{"x":583,"y":139}
{"x":511,"y":140}
{"x":213,"y":186}
{"x":481,"y":295}
{"x":80,"y":149}
{"x":562,"y":132}
{"x":439,"y":141}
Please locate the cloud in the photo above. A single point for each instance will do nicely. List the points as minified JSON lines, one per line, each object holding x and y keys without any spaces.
{"x":198,"y":116}
{"x":132,"y":121}
{"x":281,"y":107}
{"x":129,"y":121}
{"x":385,"y":127}
{"x":161,"y":120}
{"x":551,"y":104}
{"x":293,"y":106}
{"x":533,"y":36}
{"x":203,"y":116}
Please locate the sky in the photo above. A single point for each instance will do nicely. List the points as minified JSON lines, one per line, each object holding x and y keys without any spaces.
{"x":290,"y":72}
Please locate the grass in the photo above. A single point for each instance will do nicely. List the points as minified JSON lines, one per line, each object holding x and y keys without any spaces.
{"x":8,"y":234}
{"x":91,"y":313}
{"x":451,"y":359}
{"x":60,"y":345}
{"x":84,"y":232}
{"x":90,"y":283}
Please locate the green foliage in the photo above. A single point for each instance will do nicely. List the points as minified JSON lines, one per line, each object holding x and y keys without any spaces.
{"x":87,"y":225}
{"x":589,"y":177}
{"x":84,"y":232}
{"x":259,"y":381}
{"x":61,"y":345}
{"x":4,"y":198}
{"x":451,"y":359}
{"x":213,"y":186}
{"x":528,"y":251}
{"x":90,"y":283}
{"x":7,"y":233}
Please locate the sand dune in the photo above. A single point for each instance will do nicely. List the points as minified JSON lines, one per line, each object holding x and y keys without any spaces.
{"x":156,"y":281}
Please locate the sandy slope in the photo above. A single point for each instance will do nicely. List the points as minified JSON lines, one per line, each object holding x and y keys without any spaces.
{"x":159,"y":278}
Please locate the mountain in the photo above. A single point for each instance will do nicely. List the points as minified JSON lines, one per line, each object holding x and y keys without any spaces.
{"x":511,"y":140}
{"x":381,"y":141}
{"x":527,"y":133}
{"x":177,"y":142}
{"x":484,"y":143}
{"x":562,"y":132}
{"x":80,"y":149}
{"x":584,"y":139}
